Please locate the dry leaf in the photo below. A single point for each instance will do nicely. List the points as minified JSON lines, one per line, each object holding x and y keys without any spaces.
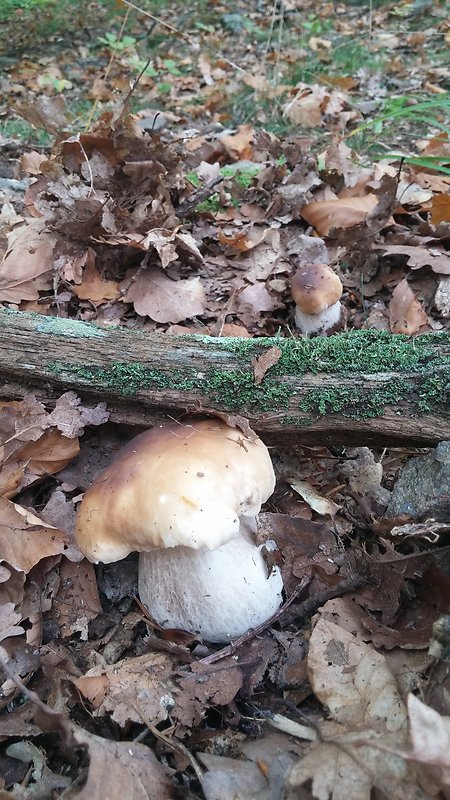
{"x":93,"y":287}
{"x":119,"y":770}
{"x":49,"y":454}
{"x":430,"y":736}
{"x":155,"y":295}
{"x":406,"y":315}
{"x":418,"y":257}
{"x":322,"y":505}
{"x":440,"y":209}
{"x":49,"y":113}
{"x":264,"y":362}
{"x":27,"y":266}
{"x":363,"y":472}
{"x":352,"y":679}
{"x":442,"y":297}
{"x":9,"y":622}
{"x":77,"y":601}
{"x":134,"y":689}
{"x":344,"y":212}
{"x":25,"y":539}
{"x":239,"y":146}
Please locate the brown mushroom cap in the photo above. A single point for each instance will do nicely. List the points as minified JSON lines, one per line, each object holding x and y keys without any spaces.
{"x":315,"y":287}
{"x":178,"y":484}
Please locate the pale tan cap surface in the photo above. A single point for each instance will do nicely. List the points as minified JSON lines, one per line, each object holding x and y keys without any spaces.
{"x":179,"y":484}
{"x":315,"y":288}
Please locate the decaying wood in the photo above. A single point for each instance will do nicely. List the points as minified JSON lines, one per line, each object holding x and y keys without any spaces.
{"x":364,"y":387}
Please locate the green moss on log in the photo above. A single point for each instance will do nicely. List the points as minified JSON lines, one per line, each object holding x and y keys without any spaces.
{"x":343,"y":356}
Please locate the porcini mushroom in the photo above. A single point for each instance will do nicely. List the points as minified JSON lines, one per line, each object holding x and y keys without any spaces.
{"x":317,"y":291}
{"x":186,"y":497}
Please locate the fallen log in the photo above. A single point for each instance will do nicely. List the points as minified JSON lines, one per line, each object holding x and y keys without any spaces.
{"x":360,"y":387}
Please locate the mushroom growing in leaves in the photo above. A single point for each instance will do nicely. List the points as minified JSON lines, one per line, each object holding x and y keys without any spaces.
{"x":186,"y":497}
{"x":317,"y":291}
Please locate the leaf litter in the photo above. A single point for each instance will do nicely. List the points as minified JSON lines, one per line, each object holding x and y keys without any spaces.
{"x":125,"y":226}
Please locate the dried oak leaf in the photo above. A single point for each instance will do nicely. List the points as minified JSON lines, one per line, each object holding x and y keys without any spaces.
{"x":134,"y":689}
{"x":406,"y":315}
{"x":27,"y":266}
{"x":120,"y":769}
{"x":264,"y":362}
{"x":352,"y":679}
{"x":418,"y":257}
{"x":312,"y":103}
{"x":25,"y":539}
{"x":49,"y":454}
{"x":71,"y":418}
{"x":195,"y":692}
{"x":155,"y":295}
{"x":440,"y":209}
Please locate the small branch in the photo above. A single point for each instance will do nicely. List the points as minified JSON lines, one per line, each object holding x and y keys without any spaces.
{"x":199,"y":196}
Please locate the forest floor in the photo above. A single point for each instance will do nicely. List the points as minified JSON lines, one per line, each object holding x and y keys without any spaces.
{"x":169,"y":169}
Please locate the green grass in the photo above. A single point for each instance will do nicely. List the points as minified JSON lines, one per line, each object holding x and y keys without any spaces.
{"x":17,"y":129}
{"x":401,"y":122}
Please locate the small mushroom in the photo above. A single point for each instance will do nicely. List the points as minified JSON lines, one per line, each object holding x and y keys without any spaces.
{"x":317,"y":291}
{"x":186,"y":497}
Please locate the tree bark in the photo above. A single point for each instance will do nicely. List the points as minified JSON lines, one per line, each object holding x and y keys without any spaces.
{"x":361,"y":387}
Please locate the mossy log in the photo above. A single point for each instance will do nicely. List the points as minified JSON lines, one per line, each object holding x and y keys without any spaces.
{"x":360,"y":387}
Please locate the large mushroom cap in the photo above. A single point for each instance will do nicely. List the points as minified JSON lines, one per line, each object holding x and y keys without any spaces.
{"x":179,"y":484}
{"x":315,"y":287}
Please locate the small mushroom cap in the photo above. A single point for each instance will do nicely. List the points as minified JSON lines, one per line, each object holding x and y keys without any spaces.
{"x":315,"y":288}
{"x":178,"y":484}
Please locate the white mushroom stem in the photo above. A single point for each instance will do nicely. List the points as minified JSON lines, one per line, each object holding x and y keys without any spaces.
{"x":219,"y":594}
{"x":313,"y":323}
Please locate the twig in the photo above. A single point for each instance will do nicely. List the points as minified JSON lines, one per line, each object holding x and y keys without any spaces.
{"x":174,"y":745}
{"x":32,"y":696}
{"x":311,"y":604}
{"x":199,"y":196}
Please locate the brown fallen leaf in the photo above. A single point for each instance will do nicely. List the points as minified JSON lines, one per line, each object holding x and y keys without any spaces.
{"x":25,"y":539}
{"x":9,"y":622}
{"x":312,"y":102}
{"x":418,"y":257}
{"x":406,"y":315}
{"x":31,"y":162}
{"x":49,"y":454}
{"x":155,"y":295}
{"x":71,"y":417}
{"x":263,"y":363}
{"x":49,"y":113}
{"x":119,"y":770}
{"x":344,"y":212}
{"x":322,"y":505}
{"x":27,"y":266}
{"x":77,"y":601}
{"x":239,"y":145}
{"x":132,"y":689}
{"x":93,"y":287}
{"x":440,"y":209}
